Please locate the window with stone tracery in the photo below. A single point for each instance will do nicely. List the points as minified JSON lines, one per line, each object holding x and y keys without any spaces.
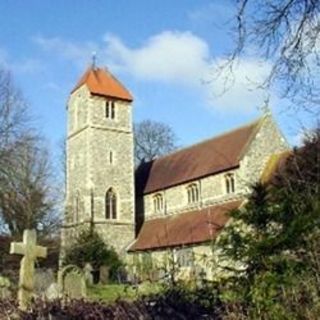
{"x":111,"y":205}
{"x":158,"y":202}
{"x":193,"y":193}
{"x":230,"y":183}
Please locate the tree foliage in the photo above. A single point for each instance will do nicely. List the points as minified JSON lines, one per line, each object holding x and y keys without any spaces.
{"x":273,"y":241}
{"x":153,"y":139}
{"x":90,"y":248}
{"x":286,"y":32}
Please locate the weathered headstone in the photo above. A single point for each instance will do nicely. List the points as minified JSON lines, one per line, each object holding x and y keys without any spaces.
{"x":72,"y":282}
{"x":104,"y":275}
{"x":88,"y":273}
{"x":4,"y":287}
{"x":30,"y":251}
{"x":53,"y":292}
{"x":73,"y":285}
{"x":43,"y":278}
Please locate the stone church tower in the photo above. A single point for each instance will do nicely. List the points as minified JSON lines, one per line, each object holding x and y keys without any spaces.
{"x":100,"y":162}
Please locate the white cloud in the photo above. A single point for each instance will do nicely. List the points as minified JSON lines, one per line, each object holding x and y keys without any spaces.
{"x":79,"y":53}
{"x":239,"y":89}
{"x":27,"y":66}
{"x":183,"y":58}
{"x":168,"y":56}
{"x":174,"y":57}
{"x":24,"y":66}
{"x":213,"y":14}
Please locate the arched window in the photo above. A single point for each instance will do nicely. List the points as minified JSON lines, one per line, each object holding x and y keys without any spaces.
{"x":158,"y":202}
{"x":111,"y":204}
{"x":230,"y":183}
{"x":193,"y":193}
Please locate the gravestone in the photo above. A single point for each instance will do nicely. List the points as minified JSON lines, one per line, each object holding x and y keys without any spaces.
{"x":88,"y":274}
{"x":53,"y":291}
{"x":30,"y":252}
{"x":43,"y":278}
{"x":4,"y":288}
{"x":72,"y":282}
{"x":104,"y":275}
{"x":74,"y":285}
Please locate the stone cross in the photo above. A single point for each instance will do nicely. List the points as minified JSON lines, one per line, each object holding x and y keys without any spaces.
{"x":30,"y":252}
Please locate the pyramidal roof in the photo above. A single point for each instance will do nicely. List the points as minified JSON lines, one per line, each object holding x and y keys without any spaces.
{"x":102,"y":83}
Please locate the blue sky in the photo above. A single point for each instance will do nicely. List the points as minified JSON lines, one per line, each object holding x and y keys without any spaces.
{"x":164,"y":52}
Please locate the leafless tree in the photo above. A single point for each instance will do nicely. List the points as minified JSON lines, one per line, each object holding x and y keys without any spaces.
{"x":286,"y":32}
{"x":26,"y":189}
{"x":13,"y":115}
{"x":27,"y":196}
{"x":153,"y":139}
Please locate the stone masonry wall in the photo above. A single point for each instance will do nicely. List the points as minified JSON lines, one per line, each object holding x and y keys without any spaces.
{"x":99,"y":157}
{"x":267,"y":141}
{"x":212,"y":191}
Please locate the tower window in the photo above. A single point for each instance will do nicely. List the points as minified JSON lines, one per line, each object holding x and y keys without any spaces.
{"x":158,"y":202}
{"x":230,"y":183}
{"x":107,"y":109}
{"x":193,"y":193}
{"x":111,"y":204}
{"x":76,"y":207}
{"x":110,"y":110}
{"x":111,"y":158}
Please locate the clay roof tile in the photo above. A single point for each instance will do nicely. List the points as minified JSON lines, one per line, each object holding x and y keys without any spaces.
{"x":184,"y":229}
{"x":102,"y":83}
{"x":209,"y":157}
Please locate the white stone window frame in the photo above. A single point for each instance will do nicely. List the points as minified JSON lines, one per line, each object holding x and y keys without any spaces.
{"x":193,"y":193}
{"x":158,"y":202}
{"x":229,"y":181}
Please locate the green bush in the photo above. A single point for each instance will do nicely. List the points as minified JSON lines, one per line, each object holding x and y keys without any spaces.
{"x":90,"y":248}
{"x":276,"y":237}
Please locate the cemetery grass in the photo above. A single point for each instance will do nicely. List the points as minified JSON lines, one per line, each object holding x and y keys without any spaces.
{"x":112,"y":292}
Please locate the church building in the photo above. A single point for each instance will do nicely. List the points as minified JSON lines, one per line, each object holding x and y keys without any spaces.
{"x":175,"y":203}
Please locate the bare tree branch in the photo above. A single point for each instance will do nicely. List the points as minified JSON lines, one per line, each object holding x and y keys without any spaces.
{"x":285,"y":32}
{"x":153,"y":139}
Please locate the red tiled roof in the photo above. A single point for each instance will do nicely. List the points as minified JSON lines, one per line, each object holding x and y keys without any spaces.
{"x":103,"y":83}
{"x":183,"y":229}
{"x":212,"y":156}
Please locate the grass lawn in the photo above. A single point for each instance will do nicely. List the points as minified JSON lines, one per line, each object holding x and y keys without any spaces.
{"x":111,"y":292}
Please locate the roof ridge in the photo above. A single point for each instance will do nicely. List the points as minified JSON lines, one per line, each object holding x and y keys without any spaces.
{"x":259,"y":123}
{"x":100,"y":81}
{"x":255,"y":122}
